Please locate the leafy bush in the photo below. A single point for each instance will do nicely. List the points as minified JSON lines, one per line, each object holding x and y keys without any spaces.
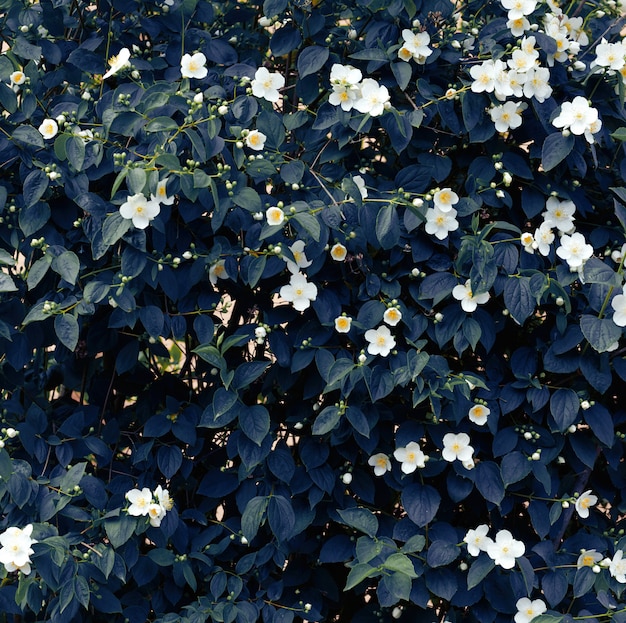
{"x":312,"y":309}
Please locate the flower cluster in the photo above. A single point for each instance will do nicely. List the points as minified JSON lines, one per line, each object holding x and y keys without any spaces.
{"x":153,"y":504}
{"x":350,"y":90}
{"x":503,"y":550}
{"x":16,"y":549}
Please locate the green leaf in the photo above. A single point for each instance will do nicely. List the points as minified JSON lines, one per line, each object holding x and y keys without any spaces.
{"x":6,"y":465}
{"x":114,"y":227}
{"x":387,"y":226}
{"x":309,"y":223}
{"x":67,"y":265}
{"x":136,"y":180}
{"x":6,"y":283}
{"x":358,"y":573}
{"x":248,"y":198}
{"x":162,"y":124}
{"x":73,"y":477}
{"x":400,"y":563}
{"x":33,"y":218}
{"x":361,"y":519}
{"x":548,"y":618}
{"x":414,"y":544}
{"x":120,"y":529}
{"x":619,"y":134}
{"x":255,"y":423}
{"x":370,"y":54}
{"x":81,"y":590}
{"x":252,"y":516}
{"x":35,"y":185}
{"x":38,"y":270}
{"x":556,"y":148}
{"x":28,"y":136}
{"x":326,"y":421}
{"x":312,"y":59}
{"x":601,"y":333}
{"x":67,"y":330}
{"x":6,"y":258}
{"x":75,"y":149}
{"x":479,"y":570}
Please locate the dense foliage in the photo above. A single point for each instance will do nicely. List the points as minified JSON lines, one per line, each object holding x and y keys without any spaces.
{"x":312,"y":310}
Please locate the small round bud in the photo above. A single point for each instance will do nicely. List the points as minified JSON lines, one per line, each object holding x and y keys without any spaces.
{"x":298,"y":425}
{"x":535,"y":456}
{"x":346,"y":478}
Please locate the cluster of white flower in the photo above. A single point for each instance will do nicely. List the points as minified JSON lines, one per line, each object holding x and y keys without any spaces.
{"x":380,"y":340}
{"x":153,"y":504}
{"x":17,"y":548}
{"x":141,"y":210}
{"x":579,"y":118}
{"x":573,"y":247}
{"x":441,"y":218}
{"x":456,"y":447}
{"x":503,"y":550}
{"x":350,"y":91}
{"x":415,"y":46}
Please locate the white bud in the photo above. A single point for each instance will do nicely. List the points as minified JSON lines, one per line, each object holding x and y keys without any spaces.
{"x":565,"y":504}
{"x":352,"y":34}
{"x":223,"y":109}
{"x":463,"y":566}
{"x":560,"y":301}
{"x":596,"y":568}
{"x":198,"y":98}
{"x":455,"y":44}
{"x":362,"y":358}
{"x":258,"y":216}
{"x":396,"y":613}
{"x":244,"y":541}
{"x":535,"y":456}
{"x":346,"y":478}
{"x":585,"y":404}
{"x":135,"y":74}
{"x":264,"y":22}
{"x":438,"y":316}
{"x":298,"y":425}
{"x":11,"y":432}
{"x":571,"y":428}
{"x":528,"y":435}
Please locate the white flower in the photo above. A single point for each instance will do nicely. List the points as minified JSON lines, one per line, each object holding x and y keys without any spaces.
{"x":140,"y":210}
{"x":416,"y":45}
{"x":477,"y":540}
{"x":527,"y":241}
{"x":518,"y":26}
{"x":505,"y":549}
{"x":140,"y":501}
{"x":17,"y":548}
{"x":256,"y":140}
{"x":484,"y":75}
{"x":299,"y":257}
{"x":457,"y":446}
{"x":217,"y":271}
{"x":266,"y":84}
{"x":584,"y":501}
{"x":299,"y":292}
{"x":260,"y":333}
{"x":574,"y":250}
{"x":343,"y":324}
{"x":588,"y":558}
{"x":193,"y":65}
{"x":380,"y":341}
{"x":440,"y":223}
{"x":610,"y":55}
{"x":577,"y":116}
{"x":469,"y":302}
{"x":163,"y":497}
{"x":619,"y":306}
{"x":48,"y":128}
{"x":479,"y":414}
{"x":116,"y":63}
{"x":523,"y":60}
{"x":506,"y":117}
{"x":519,"y":8}
{"x":345,"y":75}
{"x":411,"y":457}
{"x":559,"y":214}
{"x":338,"y":252}
{"x":544,"y":237}
{"x":444,"y":199}
{"x":155,"y":513}
{"x":17,"y":77}
{"x":392,"y":316}
{"x":161,"y":194}
{"x":527,"y":610}
{"x":380,"y":462}
{"x":537,"y":84}
{"x":617,"y":567}
{"x":274,"y":216}
{"x":372,"y":98}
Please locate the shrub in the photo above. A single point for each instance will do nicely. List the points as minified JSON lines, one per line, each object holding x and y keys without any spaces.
{"x":312,"y":309}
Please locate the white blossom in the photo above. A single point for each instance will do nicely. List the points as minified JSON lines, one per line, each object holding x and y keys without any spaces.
{"x":392,"y":316}
{"x":266,"y":84}
{"x":411,"y":456}
{"x":372,"y":98}
{"x":17,"y":77}
{"x":274,"y":216}
{"x":617,"y":567}
{"x":217,"y":271}
{"x":343,"y":324}
{"x":527,"y":610}
{"x":479,"y":414}
{"x":506,"y":117}
{"x":560,"y":214}
{"x":505,"y":549}
{"x":299,"y":292}
{"x":256,"y":140}
{"x":588,"y":558}
{"x":338,"y":252}
{"x":440,"y":223}
{"x":118,"y":62}
{"x":537,"y":84}
{"x":140,"y":500}
{"x":193,"y":66}
{"x":469,"y":301}
{"x":477,"y":540}
{"x":618,"y":303}
{"x":415,"y":45}
{"x":380,"y":462}
{"x":544,"y":237}
{"x":584,"y":501}
{"x":161,"y":195}
{"x":576,"y":116}
{"x":48,"y":128}
{"x":300,"y":259}
{"x":16,"y":548}
{"x":456,"y":446}
{"x":380,"y":341}
{"x":574,"y":250}
{"x":140,"y":210}
{"x":444,"y":199}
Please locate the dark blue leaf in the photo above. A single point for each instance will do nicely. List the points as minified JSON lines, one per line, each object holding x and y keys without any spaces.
{"x":564,"y":407}
{"x":421,"y":503}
